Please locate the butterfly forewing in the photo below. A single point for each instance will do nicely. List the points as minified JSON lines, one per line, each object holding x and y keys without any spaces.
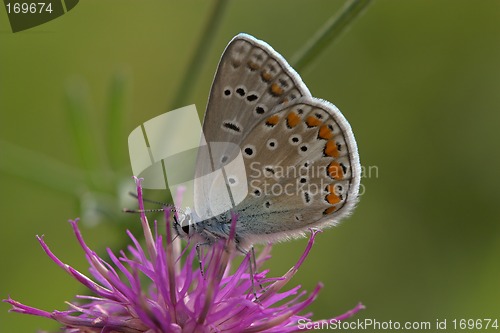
{"x":251,"y":81}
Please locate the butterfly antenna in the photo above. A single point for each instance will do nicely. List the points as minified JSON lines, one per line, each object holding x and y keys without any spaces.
{"x":148,"y":200}
{"x":126,"y":210}
{"x":156,"y":210}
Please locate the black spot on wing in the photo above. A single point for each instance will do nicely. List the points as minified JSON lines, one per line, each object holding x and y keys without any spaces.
{"x":231,"y":126}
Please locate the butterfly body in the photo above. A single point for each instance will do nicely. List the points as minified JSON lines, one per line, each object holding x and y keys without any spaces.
{"x":299,"y":155}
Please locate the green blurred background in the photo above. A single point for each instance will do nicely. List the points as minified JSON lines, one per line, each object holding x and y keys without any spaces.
{"x":418,"y":81}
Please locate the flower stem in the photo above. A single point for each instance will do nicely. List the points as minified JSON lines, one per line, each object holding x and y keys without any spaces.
{"x":83,"y":132}
{"x":328,"y":33}
{"x":115,"y":119}
{"x":39,"y":168}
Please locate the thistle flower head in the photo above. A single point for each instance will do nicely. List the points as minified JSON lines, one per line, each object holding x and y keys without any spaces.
{"x":158,"y":288}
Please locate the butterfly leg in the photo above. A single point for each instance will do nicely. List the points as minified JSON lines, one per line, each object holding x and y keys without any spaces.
{"x":199,"y":254}
{"x":252,"y":269}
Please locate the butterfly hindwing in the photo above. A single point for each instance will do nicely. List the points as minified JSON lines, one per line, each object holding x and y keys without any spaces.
{"x":302,"y":170}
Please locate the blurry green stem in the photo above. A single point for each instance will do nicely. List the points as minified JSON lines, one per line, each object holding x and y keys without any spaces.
{"x":40,"y":169}
{"x":197,"y":60}
{"x":328,"y":33}
{"x":115,"y":120}
{"x":84,"y":134}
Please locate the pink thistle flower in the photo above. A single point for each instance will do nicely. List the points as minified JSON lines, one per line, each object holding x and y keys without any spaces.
{"x":157,"y":289}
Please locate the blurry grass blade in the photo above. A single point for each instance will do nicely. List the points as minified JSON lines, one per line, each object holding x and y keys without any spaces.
{"x":41,"y":169}
{"x":115,"y":119}
{"x":328,"y":33}
{"x":190,"y":78}
{"x":83,"y":133}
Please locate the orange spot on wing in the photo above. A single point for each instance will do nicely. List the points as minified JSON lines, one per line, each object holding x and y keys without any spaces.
{"x":335,"y":170}
{"x":331,"y":149}
{"x":284,"y":101}
{"x":325,"y":133}
{"x":276,"y":90}
{"x":332,"y":198}
{"x":272,"y":121}
{"x":252,"y":65}
{"x":266,"y":76}
{"x":312,"y":121}
{"x":292,"y":119}
{"x":329,"y":210}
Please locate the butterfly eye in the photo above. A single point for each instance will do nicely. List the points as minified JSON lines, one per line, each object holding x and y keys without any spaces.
{"x":182,"y":222}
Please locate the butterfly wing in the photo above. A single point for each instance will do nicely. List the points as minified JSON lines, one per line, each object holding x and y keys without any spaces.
{"x":251,"y":81}
{"x":302,"y":169}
